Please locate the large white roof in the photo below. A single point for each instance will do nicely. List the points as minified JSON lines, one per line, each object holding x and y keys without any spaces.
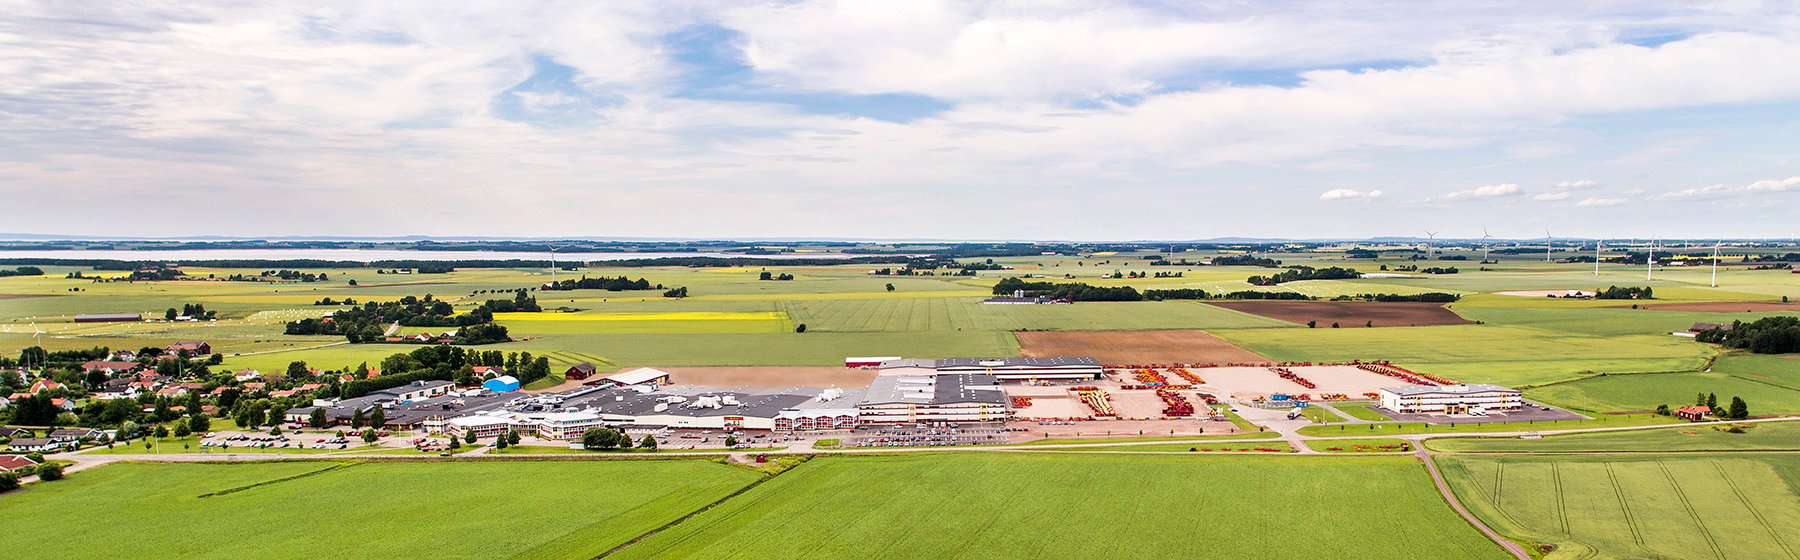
{"x":637,"y":376}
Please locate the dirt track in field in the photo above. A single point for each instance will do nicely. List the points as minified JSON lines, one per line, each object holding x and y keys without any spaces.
{"x":1135,"y":347}
{"x":23,"y":296}
{"x":1351,"y":314}
{"x":771,"y":376}
{"x":1721,"y":306}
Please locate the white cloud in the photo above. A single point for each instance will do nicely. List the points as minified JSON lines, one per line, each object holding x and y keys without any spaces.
{"x":1350,"y":194}
{"x":1488,"y":191}
{"x":1722,"y":190}
{"x":1550,"y":196}
{"x":1580,"y":185}
{"x":1773,"y":185}
{"x":292,"y":108}
{"x":1596,"y":201}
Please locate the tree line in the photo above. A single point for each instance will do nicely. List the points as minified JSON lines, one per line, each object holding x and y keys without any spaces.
{"x":1769,"y":335}
{"x":1298,"y":273}
{"x":609,"y":284}
{"x":1628,"y":292}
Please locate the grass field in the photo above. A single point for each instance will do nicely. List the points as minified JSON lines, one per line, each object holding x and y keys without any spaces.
{"x":307,"y":510}
{"x":1759,"y":436}
{"x":1370,"y":445}
{"x":1654,"y":506}
{"x":942,"y":314}
{"x":1398,"y":428}
{"x":1770,"y":384}
{"x":1361,"y":411}
{"x":1080,"y":506}
{"x":1490,"y":353}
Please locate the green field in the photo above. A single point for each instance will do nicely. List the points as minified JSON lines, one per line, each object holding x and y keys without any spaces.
{"x":1641,"y":506}
{"x":1757,"y":436}
{"x":308,"y":510}
{"x":1365,"y":445}
{"x":735,"y":319}
{"x":987,"y":505}
{"x":1400,"y":428}
{"x":1770,"y":384}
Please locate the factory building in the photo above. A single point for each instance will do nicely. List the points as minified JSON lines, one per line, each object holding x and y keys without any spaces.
{"x":1450,"y":399}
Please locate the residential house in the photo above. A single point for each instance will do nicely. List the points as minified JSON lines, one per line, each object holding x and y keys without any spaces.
{"x":110,"y":367}
{"x":39,"y":445}
{"x":193,"y":348}
{"x":1693,"y":413}
{"x":73,"y":434}
{"x":9,"y":463}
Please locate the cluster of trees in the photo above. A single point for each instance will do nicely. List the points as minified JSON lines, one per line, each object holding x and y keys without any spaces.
{"x":1074,"y":291}
{"x":1245,"y":260}
{"x":1430,"y":297}
{"x":1784,"y":258}
{"x":1737,"y":410}
{"x":1180,"y":293}
{"x":609,"y":284}
{"x":676,"y":292}
{"x":1297,"y":273}
{"x":766,"y":275}
{"x":1769,"y":335}
{"x":196,"y":310}
{"x":1439,"y":270}
{"x":483,"y":333}
{"x":368,"y":322}
{"x":1628,"y":292}
{"x":519,"y":303}
{"x":1361,"y":254}
{"x":608,"y":438}
{"x":1253,"y":294}
{"x":22,"y":271}
{"x":288,"y":275}
{"x":155,"y":274}
{"x":329,"y":301}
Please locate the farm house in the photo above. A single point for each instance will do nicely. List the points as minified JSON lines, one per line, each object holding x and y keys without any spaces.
{"x":1450,"y":399}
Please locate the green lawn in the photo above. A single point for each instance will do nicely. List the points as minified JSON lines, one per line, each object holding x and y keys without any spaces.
{"x":1077,"y":440}
{"x":945,"y":314}
{"x":1655,"y":506}
{"x":984,"y":505}
{"x":1770,"y":384}
{"x":1758,"y":436}
{"x":1226,"y":445}
{"x":1505,"y":355}
{"x":1361,"y":411}
{"x":376,"y":510}
{"x":1398,"y":428}
{"x":1371,"y":445}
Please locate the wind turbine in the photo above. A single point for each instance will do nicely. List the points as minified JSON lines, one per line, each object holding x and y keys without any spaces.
{"x":553,"y":249}
{"x":1430,"y":236}
{"x":38,"y":335}
{"x":1484,"y":245}
{"x":1597,"y":244}
{"x":1546,"y":245}
{"x":1650,"y":262}
{"x":1715,"y":268}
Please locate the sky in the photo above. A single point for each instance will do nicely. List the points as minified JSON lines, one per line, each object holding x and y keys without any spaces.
{"x":1042,"y":119}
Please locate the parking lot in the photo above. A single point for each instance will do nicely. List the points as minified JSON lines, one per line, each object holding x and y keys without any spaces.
{"x":1533,"y":412}
{"x":912,"y":435}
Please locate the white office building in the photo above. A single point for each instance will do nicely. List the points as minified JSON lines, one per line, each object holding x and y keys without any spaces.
{"x":1450,"y":399}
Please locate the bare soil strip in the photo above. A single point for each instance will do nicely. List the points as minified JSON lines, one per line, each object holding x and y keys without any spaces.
{"x":1351,"y":314}
{"x":1136,"y":347}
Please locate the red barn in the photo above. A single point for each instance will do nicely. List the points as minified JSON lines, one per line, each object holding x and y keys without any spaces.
{"x":1693,"y":413}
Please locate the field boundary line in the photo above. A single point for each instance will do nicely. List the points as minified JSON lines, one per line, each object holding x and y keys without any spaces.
{"x":1686,"y":504}
{"x":1562,"y":506}
{"x":1637,"y":534}
{"x":277,"y":480}
{"x":1757,"y":513}
{"x":690,"y":515}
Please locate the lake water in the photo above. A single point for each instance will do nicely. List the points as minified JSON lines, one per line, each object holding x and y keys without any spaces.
{"x":366,"y":255}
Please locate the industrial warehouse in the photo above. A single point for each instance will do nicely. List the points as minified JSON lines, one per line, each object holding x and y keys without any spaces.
{"x":1051,"y":392}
